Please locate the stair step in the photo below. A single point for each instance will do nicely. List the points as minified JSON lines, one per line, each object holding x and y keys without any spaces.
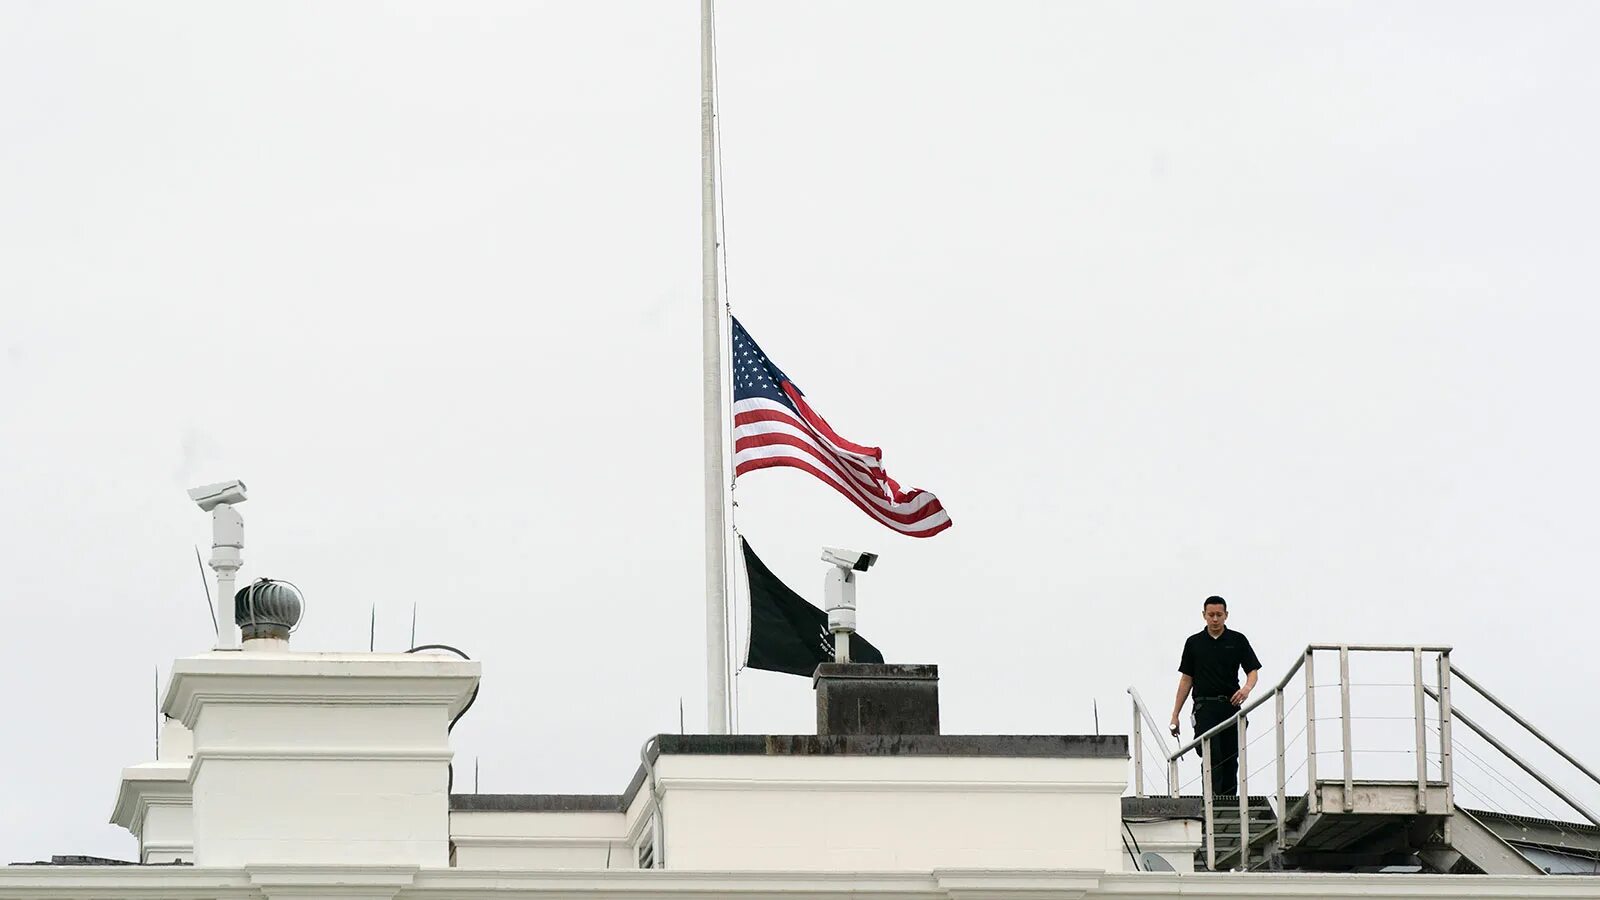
{"x":1225,"y":833}
{"x":1230,"y":842}
{"x":1230,"y":857}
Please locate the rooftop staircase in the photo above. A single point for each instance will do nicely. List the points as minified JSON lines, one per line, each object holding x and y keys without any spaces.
{"x":1351,"y":823}
{"x":1225,"y":833}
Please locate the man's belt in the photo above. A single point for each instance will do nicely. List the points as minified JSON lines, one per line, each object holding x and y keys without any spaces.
{"x":1222,"y":699}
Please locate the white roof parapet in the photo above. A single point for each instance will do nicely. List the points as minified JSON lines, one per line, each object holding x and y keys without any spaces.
{"x":150,"y":784}
{"x":155,"y":800}
{"x":315,"y":759}
{"x":325,"y":678}
{"x":368,"y":882}
{"x":155,"y":803}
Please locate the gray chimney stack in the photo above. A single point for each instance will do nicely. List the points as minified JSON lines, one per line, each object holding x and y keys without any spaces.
{"x":876,"y":698}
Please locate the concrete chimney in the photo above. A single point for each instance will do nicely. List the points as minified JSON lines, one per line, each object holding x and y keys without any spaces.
{"x":873,"y":698}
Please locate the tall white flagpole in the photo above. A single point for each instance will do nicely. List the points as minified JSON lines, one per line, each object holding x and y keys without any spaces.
{"x":711,"y":376}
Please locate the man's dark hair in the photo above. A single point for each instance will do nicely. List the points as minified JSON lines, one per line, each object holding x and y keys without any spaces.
{"x":1217,"y":600}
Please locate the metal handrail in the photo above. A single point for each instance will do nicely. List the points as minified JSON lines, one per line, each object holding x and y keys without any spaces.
{"x":1382,"y":648}
{"x":1284,"y":681}
{"x":1155,"y":728}
{"x":1522,"y":763}
{"x":1140,"y":710}
{"x":1524,"y":723}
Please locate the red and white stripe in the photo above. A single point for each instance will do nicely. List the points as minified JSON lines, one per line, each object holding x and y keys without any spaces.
{"x":768,"y":434}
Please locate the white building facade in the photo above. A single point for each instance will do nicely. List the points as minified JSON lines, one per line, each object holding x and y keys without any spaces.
{"x":314,"y":775}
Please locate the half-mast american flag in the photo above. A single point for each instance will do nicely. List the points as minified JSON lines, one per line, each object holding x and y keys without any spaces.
{"x":773,"y":425}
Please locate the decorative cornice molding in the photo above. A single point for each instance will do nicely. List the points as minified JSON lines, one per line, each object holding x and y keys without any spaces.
{"x":409,"y":883}
{"x":481,"y":884}
{"x":184,"y":702}
{"x":317,"y":754}
{"x":526,"y":842}
{"x":1012,"y":884}
{"x":1189,"y":846}
{"x":1366,"y":886}
{"x":302,"y":752}
{"x":317,"y":679}
{"x":355,"y":882}
{"x":135,"y":796}
{"x":640,"y":823}
{"x":685,"y":783}
{"x":278,"y":875}
{"x":125,"y":883}
{"x":166,"y":852}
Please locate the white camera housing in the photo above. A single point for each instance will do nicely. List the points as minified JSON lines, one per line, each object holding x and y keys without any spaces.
{"x":211,"y":496}
{"x":859,"y":560}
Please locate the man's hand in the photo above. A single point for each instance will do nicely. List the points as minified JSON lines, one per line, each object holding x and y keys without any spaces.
{"x":1240,"y":696}
{"x":1174,"y":726}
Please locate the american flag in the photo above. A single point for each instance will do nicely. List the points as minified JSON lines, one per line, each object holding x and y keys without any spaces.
{"x":773,"y":425}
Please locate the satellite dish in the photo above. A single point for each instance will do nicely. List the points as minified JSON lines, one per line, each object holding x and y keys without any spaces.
{"x":1155,"y":862}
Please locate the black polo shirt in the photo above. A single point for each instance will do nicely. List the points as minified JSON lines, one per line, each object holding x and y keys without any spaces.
{"x":1214,"y":662}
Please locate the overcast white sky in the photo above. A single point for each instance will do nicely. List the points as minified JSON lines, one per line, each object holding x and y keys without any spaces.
{"x":1290,"y":303}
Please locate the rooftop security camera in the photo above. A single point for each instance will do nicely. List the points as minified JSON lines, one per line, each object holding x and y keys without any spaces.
{"x":860,"y":560}
{"x":227,"y":542}
{"x":210,"y":496}
{"x":839,"y":591}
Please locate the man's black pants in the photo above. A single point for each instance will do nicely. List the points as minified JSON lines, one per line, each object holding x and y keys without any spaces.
{"x":1209,"y":712}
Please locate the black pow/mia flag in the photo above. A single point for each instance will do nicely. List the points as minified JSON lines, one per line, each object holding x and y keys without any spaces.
{"x":787,"y":634}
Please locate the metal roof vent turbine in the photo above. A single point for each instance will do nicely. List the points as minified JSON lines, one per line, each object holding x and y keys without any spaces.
{"x":268,"y":610}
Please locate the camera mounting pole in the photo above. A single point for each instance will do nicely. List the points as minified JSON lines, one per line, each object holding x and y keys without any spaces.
{"x":227,"y":544}
{"x":839,"y":587}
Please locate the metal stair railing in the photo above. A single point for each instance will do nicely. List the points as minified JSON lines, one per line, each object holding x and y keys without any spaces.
{"x":1306,"y":662}
{"x":1231,"y":833}
{"x":1141,"y":710}
{"x":1510,"y":754}
{"x":1446,"y":714}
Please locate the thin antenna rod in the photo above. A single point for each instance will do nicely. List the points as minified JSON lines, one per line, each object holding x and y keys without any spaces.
{"x":680,"y":716}
{"x":205,"y":582}
{"x":158,"y":711}
{"x":716,"y":484}
{"x":413,"y":624}
{"x":1096,"y":718}
{"x":475,"y":775}
{"x":372,"y":630}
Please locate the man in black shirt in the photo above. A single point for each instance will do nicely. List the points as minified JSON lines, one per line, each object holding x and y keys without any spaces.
{"x":1211,"y":663}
